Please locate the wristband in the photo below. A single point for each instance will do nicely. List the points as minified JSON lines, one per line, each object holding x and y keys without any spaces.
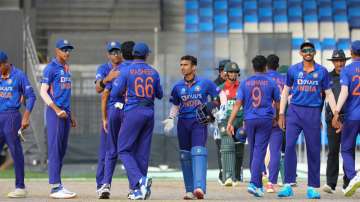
{"x":102,"y":85}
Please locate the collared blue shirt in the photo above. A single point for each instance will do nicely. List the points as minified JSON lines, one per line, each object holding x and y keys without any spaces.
{"x":307,"y":88}
{"x":188,"y":97}
{"x":257,"y":93}
{"x":12,"y":88}
{"x":58,"y":77}
{"x":350,"y":77}
{"x":114,"y":99}
{"x":140,"y":83}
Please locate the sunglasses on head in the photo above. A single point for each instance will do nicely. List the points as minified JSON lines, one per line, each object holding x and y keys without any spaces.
{"x":308,"y":50}
{"x":66,"y":50}
{"x":115,"y":52}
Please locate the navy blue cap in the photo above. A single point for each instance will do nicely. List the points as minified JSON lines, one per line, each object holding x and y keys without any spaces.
{"x":113,"y":45}
{"x":355,"y":46}
{"x":141,"y":49}
{"x":63,"y":43}
{"x":3,"y":57}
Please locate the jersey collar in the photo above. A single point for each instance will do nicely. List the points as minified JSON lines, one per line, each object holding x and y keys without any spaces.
{"x":301,"y":67}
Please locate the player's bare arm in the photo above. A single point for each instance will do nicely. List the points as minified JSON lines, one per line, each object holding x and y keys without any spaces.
{"x":104,"y":99}
{"x":344,"y":93}
{"x":283,"y":102}
{"x":47,"y":99}
{"x":100,"y":84}
{"x":230,"y":127}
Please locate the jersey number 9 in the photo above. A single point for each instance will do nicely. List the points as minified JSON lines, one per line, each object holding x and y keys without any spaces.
{"x":142,"y":88}
{"x":256,"y":96}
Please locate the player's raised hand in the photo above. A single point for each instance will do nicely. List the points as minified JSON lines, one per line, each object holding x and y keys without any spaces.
{"x":168,"y":125}
{"x":112,"y":75}
{"x":230,"y":130}
{"x":281,"y":121}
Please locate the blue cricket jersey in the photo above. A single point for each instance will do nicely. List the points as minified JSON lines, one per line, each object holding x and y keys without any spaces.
{"x":188,"y":97}
{"x":58,"y":77}
{"x":307,"y":88}
{"x":11,"y":90}
{"x":350,"y":76}
{"x":257,"y":93}
{"x":279,"y":80}
{"x":112,"y":99}
{"x":141,"y":84}
{"x":102,"y":71}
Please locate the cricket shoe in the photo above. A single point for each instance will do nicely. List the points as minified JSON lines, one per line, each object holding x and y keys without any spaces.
{"x":104,"y":191}
{"x":145,"y":185}
{"x":199,"y":193}
{"x":136,"y":195}
{"x":17,"y":193}
{"x":259,"y":192}
{"x":326,"y":188}
{"x":286,"y":191}
{"x":228,"y":182}
{"x":61,"y":193}
{"x":130,"y":193}
{"x":312,"y":193}
{"x":354,"y":184}
{"x":189,"y":196}
{"x":251,"y":188}
{"x":270,"y":188}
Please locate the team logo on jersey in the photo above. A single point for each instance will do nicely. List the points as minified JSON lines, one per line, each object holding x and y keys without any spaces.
{"x":300,"y":75}
{"x":183,"y":91}
{"x":315,"y":75}
{"x":197,"y":88}
{"x":62,"y":72}
{"x":9,"y":81}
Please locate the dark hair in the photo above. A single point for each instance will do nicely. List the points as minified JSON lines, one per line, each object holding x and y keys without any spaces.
{"x":259,"y":63}
{"x":272,"y":61}
{"x":190,"y":58}
{"x":127,"y":49}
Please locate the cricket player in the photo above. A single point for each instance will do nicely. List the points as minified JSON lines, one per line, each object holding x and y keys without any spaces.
{"x":307,"y":81}
{"x":13,"y":85}
{"x":187,"y":96}
{"x":232,"y":150}
{"x":104,"y":75}
{"x":112,"y":115}
{"x":56,"y":93}
{"x":219,"y":81}
{"x":276,"y":137}
{"x":141,"y":84}
{"x":256,"y":94}
{"x":350,"y":96}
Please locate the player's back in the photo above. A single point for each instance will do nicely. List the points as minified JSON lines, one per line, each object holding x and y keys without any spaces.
{"x":278,"y":78}
{"x":257,"y":93}
{"x":143,"y":84}
{"x":350,"y":76}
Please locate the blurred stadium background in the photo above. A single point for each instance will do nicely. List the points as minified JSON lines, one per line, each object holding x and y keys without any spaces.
{"x":209,"y":29}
